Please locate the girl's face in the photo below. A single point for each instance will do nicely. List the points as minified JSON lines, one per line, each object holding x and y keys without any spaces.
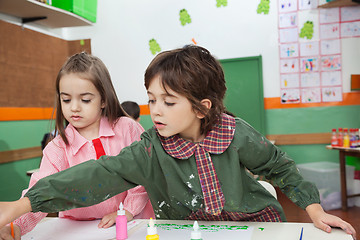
{"x":81,"y":104}
{"x":172,"y":113}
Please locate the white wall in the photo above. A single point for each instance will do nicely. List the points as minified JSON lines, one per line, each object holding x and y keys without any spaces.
{"x":123,"y":29}
{"x":121,"y":35}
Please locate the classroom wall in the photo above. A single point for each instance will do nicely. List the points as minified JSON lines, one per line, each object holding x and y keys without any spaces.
{"x":124,"y":28}
{"x":121,"y":39}
{"x":16,"y":135}
{"x":311,"y":120}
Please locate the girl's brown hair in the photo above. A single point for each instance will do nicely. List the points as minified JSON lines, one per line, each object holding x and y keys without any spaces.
{"x":93,"y":69}
{"x":194,"y":73}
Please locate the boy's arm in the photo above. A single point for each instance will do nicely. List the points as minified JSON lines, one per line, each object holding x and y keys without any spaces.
{"x":92,"y":182}
{"x":262,"y":158}
{"x":325,"y":221}
{"x":53,"y":161}
{"x":9,"y":211}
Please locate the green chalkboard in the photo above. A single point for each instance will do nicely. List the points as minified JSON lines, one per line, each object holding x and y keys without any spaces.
{"x":244,"y":96}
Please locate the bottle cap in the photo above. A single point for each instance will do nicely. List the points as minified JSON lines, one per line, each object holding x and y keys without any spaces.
{"x":121,"y":210}
{"x":196,"y":234}
{"x":151,"y":230}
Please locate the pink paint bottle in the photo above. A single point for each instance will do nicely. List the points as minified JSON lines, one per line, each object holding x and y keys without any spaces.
{"x":121,"y":224}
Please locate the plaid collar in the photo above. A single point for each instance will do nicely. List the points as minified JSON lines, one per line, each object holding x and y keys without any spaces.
{"x":215,"y":142}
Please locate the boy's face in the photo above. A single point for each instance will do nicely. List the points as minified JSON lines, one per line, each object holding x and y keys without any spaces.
{"x":172,"y":113}
{"x":81,"y":104}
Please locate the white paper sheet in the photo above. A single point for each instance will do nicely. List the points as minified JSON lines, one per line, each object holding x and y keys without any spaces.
{"x":181,"y":232}
{"x":61,"y":229}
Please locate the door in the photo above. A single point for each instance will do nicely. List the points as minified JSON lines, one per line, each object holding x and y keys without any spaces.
{"x":244,"y":96}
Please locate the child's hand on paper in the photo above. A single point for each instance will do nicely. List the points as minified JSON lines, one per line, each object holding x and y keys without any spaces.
{"x":110,"y":219}
{"x":5,"y":232}
{"x":9,"y":211}
{"x":325,"y":221}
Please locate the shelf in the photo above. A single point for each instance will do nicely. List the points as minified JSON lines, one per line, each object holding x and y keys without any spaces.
{"x":340,"y":3}
{"x":55,"y":17}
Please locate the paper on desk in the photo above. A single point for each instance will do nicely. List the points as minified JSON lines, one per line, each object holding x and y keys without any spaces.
{"x":183,"y":231}
{"x":60,"y":229}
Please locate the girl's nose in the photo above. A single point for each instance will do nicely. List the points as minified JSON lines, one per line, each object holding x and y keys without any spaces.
{"x":75,"y":106}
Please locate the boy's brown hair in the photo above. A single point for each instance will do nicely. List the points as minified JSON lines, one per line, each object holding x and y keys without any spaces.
{"x":194,"y":73}
{"x":93,"y":69}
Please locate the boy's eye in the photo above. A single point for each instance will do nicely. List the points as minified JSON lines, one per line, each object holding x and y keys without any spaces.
{"x":151,"y":101}
{"x":169,"y":104}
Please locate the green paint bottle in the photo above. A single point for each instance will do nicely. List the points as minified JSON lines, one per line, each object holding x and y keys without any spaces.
{"x":196,"y":234}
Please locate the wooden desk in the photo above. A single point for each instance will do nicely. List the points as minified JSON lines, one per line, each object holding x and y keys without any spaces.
{"x":343,"y":152}
{"x":57,"y":228}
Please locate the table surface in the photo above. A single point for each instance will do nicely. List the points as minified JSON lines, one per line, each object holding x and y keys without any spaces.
{"x":357,"y":149}
{"x":57,"y":228}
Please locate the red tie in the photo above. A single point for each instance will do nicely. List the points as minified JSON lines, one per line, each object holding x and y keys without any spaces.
{"x":98,"y":148}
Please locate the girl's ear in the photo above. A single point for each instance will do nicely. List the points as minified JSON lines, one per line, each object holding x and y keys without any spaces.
{"x":206,"y":103}
{"x":103,"y":104}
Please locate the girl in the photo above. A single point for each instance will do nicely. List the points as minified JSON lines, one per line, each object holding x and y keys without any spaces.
{"x":192,"y":163}
{"x":96,"y":125}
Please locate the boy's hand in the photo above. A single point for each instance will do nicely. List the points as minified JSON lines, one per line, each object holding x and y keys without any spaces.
{"x":325,"y":221}
{"x":110,"y":219}
{"x":5,"y":233}
{"x":9,"y":211}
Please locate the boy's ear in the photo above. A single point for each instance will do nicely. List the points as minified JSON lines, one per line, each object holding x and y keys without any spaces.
{"x":206,"y":103}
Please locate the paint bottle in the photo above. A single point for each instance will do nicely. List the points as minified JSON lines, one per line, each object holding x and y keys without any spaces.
{"x":121,"y":224}
{"x":152,"y":231}
{"x":334,"y":139}
{"x":196,"y":234}
{"x":340,"y":137}
{"x":353,"y":140}
{"x":346,"y":142}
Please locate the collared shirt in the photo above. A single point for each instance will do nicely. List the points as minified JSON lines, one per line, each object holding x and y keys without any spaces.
{"x":57,"y":156}
{"x":173,"y":184}
{"x":215,"y":142}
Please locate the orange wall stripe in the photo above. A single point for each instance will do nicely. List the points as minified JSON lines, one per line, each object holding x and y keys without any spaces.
{"x":351,"y":98}
{"x":144,"y":110}
{"x":18,"y":114}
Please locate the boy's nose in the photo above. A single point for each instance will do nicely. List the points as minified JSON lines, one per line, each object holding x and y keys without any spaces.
{"x":155,"y":109}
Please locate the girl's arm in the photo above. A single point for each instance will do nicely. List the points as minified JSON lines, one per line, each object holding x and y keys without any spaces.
{"x":136,"y":200}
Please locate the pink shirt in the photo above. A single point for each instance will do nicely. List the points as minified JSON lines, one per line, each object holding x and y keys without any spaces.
{"x":57,"y":157}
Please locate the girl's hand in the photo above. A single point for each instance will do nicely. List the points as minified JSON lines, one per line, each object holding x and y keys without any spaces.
{"x":9,"y":211}
{"x":325,"y":221}
{"x":5,"y":233}
{"x":110,"y":219}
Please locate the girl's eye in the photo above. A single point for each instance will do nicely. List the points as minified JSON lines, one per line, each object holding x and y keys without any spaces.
{"x":65,"y":100}
{"x":169,"y":104}
{"x":86,"y":101}
{"x":151,"y":101}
